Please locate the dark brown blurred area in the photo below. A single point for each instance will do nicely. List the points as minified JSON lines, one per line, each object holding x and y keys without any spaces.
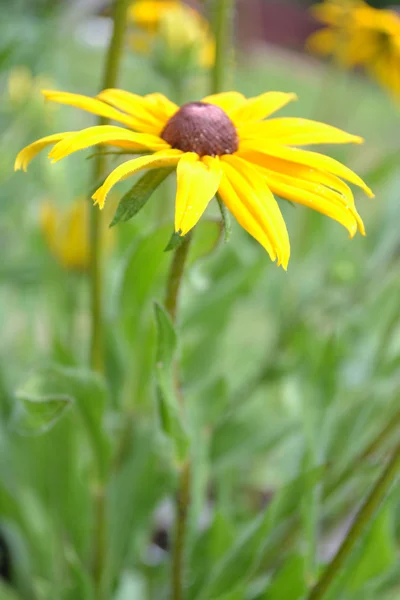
{"x":275,"y":22}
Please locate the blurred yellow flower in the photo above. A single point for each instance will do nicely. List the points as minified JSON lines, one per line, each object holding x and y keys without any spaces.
{"x":357,"y":34}
{"x":22,"y":85}
{"x":181,"y":28}
{"x":225,"y":144}
{"x":67,"y":233}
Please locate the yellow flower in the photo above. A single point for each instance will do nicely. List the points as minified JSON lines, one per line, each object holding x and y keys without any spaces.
{"x":181,"y":28}
{"x":223,"y":145}
{"x":67,"y":233}
{"x":359,"y":35}
{"x":147,"y":14}
{"x":22,"y":85}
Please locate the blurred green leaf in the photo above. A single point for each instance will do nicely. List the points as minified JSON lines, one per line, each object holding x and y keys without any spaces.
{"x":289,"y":582}
{"x":378,"y":552}
{"x":168,"y":403}
{"x":47,"y":393}
{"x":207,"y":235}
{"x":139,"y":194}
{"x":41,"y":403}
{"x":7,"y":592}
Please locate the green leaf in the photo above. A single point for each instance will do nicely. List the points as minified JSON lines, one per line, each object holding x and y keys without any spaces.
{"x":378,"y":552}
{"x":41,"y":403}
{"x":168,"y":403}
{"x":289,"y":582}
{"x":49,"y":391}
{"x":139,"y":194}
{"x":174,"y":242}
{"x":207,"y":236}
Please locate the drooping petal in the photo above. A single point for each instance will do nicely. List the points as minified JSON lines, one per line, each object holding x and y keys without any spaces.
{"x":228,"y":101}
{"x":260,"y":107}
{"x":91,"y":105}
{"x":297,"y":132}
{"x":317,"y":197}
{"x":198,"y":182}
{"x":301,"y":172}
{"x":29,"y":152}
{"x":164,"y":158}
{"x":313,"y":160}
{"x":102,"y":134}
{"x":245,"y":193}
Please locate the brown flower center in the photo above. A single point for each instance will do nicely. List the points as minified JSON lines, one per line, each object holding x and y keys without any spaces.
{"x":201,"y":128}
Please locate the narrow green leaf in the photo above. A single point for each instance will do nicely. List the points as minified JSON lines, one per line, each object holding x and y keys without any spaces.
{"x":378,"y":553}
{"x":175,"y":241}
{"x":139,"y":194}
{"x":226,"y":220}
{"x":168,"y":403}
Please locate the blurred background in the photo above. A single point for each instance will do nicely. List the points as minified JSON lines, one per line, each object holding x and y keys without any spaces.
{"x":292,"y":379}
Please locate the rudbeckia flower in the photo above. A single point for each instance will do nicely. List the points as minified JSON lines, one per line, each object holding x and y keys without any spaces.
{"x":359,"y":35}
{"x":182,"y":29}
{"x":225,"y":144}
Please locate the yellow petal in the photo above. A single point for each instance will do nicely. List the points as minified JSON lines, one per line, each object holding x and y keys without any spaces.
{"x":160,"y":106}
{"x":102,"y":134}
{"x":198,"y":182}
{"x":260,"y":107}
{"x":165,"y":158}
{"x":245,"y":193}
{"x":317,"y":197}
{"x":301,"y":172}
{"x":91,"y":105}
{"x":297,"y":132}
{"x":228,"y":101}
{"x":29,"y":152}
{"x":313,"y":160}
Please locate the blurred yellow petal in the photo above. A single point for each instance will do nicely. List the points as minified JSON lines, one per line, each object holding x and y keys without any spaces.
{"x":148,"y":114}
{"x":322,"y":42}
{"x":29,"y":152}
{"x":260,"y":107}
{"x":165,"y":158}
{"x":146,"y":14}
{"x":313,"y":160}
{"x":297,"y":132}
{"x":91,"y":105}
{"x":228,"y":101}
{"x":103,"y":134}
{"x":197,"y":184}
{"x":245,"y":193}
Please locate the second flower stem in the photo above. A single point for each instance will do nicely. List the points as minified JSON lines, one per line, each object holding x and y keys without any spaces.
{"x":111,"y":70}
{"x":362,"y":520}
{"x":110,"y":76}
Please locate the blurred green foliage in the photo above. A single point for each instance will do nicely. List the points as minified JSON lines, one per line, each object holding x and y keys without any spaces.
{"x":291,"y":379}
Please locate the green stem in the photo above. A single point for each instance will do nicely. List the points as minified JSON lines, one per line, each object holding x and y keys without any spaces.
{"x":362,"y":520}
{"x":223,"y":32}
{"x":175,"y":277}
{"x":111,"y":69}
{"x":174,"y":283}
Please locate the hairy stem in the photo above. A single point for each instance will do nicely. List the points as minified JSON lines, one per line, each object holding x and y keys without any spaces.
{"x":223,"y":32}
{"x":110,"y":76}
{"x":174,"y":283}
{"x":111,"y":69}
{"x":362,"y":520}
